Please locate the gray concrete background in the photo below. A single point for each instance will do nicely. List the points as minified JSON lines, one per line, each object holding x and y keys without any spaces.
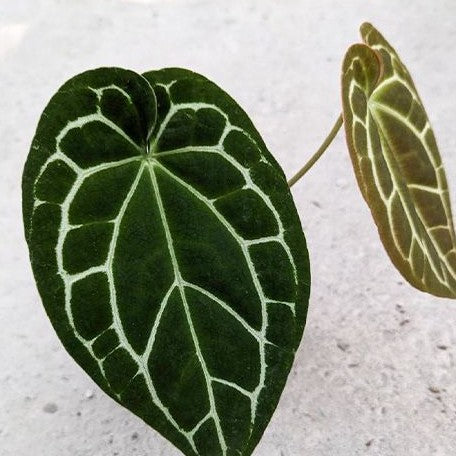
{"x":375,"y":372}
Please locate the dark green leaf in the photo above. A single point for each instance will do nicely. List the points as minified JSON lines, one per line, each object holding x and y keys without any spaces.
{"x":168,"y":252}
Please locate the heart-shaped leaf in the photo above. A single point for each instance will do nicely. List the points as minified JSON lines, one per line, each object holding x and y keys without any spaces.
{"x":168,"y":252}
{"x":398,"y":165}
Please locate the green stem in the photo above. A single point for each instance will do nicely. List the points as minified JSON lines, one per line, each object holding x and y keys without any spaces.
{"x":332,"y":134}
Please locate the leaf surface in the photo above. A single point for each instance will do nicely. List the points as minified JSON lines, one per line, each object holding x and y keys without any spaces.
{"x":398,"y":165}
{"x":168,"y":252}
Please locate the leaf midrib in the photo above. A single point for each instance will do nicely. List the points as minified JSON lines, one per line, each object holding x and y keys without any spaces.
{"x":180,"y":285}
{"x":391,"y":160}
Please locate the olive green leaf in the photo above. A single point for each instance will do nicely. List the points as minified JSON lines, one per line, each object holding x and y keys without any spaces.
{"x":398,"y":165}
{"x":168,"y":252}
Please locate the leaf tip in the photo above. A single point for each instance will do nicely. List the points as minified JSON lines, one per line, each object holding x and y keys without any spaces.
{"x":365,"y":29}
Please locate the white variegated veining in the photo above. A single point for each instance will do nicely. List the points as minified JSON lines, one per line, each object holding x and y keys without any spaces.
{"x":256,"y":334}
{"x":289,"y":304}
{"x":100,"y":90}
{"x":180,"y":284}
{"x":147,"y":164}
{"x":248,"y":394}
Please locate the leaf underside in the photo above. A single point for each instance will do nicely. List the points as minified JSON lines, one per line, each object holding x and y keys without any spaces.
{"x":398,"y":165}
{"x":168,"y":252}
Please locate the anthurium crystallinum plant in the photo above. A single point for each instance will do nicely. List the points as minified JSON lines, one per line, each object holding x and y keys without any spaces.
{"x":168,"y":251}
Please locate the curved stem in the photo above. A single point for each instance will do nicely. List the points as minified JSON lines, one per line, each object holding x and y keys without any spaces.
{"x":332,"y":134}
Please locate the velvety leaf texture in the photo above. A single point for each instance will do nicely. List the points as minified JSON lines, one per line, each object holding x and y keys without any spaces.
{"x":398,"y":165}
{"x":168,"y":252}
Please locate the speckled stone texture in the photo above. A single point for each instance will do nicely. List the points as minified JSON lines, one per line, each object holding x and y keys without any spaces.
{"x":375,"y":372}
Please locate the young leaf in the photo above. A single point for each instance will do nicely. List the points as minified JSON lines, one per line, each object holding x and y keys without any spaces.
{"x":168,"y":252}
{"x":398,"y":165}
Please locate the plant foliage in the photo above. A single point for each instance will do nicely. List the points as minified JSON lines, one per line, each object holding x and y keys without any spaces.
{"x":398,"y":165}
{"x":168,"y":252}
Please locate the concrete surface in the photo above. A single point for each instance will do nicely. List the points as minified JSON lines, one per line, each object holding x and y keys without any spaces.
{"x":375,"y":374}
